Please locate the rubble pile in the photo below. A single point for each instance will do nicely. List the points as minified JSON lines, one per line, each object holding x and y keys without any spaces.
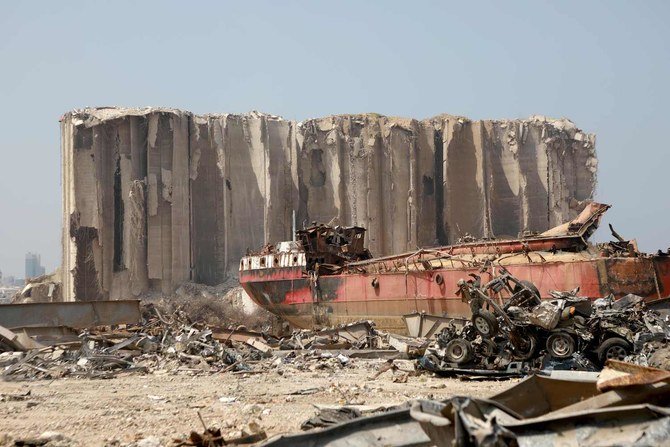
{"x":160,"y":344}
{"x":360,"y":335}
{"x":504,"y":337}
{"x":44,"y":288}
{"x":175,"y":344}
{"x":220,"y":305}
{"x":525,"y":333}
{"x":511,"y":333}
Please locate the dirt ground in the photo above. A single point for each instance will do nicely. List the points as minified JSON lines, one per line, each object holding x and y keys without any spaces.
{"x":123,"y":410}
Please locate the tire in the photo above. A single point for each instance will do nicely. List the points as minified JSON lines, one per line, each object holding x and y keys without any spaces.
{"x":488,"y":348}
{"x":524,"y":347}
{"x":530,"y":286}
{"x":560,"y":345}
{"x":458,"y":351}
{"x":614,"y":348}
{"x":485,"y":323}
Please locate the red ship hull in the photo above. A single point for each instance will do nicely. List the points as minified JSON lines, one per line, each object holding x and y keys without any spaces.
{"x":348,"y":297}
{"x":327,"y":277}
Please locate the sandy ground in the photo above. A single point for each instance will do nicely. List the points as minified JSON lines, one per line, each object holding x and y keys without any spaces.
{"x":125,"y":409}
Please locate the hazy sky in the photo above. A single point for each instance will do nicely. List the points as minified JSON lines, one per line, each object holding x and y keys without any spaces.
{"x":605,"y":65}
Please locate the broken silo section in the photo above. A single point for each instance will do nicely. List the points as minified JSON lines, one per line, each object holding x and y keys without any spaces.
{"x":155,"y":197}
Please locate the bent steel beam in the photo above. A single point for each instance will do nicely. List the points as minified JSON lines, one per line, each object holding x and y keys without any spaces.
{"x":71,"y":314}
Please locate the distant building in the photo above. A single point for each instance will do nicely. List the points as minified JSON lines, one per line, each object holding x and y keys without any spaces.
{"x":34,"y":266}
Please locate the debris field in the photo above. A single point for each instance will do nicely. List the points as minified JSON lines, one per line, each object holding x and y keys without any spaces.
{"x":169,"y":380}
{"x":130,"y":385}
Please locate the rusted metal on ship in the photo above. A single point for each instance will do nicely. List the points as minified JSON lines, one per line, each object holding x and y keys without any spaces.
{"x":327,"y":277}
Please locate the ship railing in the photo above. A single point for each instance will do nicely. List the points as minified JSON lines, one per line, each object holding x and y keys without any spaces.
{"x":420,"y":260}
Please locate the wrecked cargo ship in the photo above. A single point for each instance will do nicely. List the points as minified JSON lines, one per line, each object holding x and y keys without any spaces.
{"x":327,"y":277}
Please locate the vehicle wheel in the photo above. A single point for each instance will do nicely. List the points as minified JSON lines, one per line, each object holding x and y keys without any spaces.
{"x":458,"y":351}
{"x":530,"y":286}
{"x":614,"y":348}
{"x":524,"y":347}
{"x":485,"y":323}
{"x":488,"y":348}
{"x":560,"y":345}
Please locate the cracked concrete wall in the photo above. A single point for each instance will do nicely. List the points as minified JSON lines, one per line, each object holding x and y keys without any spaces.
{"x":154,"y":197}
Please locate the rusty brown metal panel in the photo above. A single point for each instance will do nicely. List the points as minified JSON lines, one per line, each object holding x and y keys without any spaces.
{"x":662,"y":267}
{"x":78,"y":314}
{"x":631,"y":275}
{"x":635,"y":375}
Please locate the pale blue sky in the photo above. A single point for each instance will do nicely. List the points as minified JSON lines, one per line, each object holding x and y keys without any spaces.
{"x":605,"y":65}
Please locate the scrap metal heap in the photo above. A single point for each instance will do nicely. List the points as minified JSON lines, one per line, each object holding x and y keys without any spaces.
{"x":327,"y":248}
{"x":523,"y":332}
{"x":176,"y":344}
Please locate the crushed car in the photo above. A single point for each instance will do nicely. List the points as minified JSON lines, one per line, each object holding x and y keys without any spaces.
{"x":525,"y":332}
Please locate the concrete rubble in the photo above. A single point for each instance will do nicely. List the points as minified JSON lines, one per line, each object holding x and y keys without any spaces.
{"x":44,"y":288}
{"x":156,"y":197}
{"x":175,"y":344}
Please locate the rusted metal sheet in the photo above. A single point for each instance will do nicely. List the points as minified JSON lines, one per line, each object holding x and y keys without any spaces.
{"x":630,"y":275}
{"x":71,"y":314}
{"x":392,"y":428}
{"x":537,"y":395}
{"x":630,"y":375}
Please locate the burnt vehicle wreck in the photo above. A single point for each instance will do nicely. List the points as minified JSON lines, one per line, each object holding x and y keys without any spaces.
{"x":511,"y":325}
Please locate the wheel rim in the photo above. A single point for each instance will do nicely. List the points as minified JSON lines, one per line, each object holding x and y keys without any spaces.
{"x":526,"y":347}
{"x":616,"y":353}
{"x":560,"y":346}
{"x":457,"y":351}
{"x":482,"y":325}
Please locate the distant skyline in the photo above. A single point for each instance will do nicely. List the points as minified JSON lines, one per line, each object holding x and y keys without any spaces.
{"x":603,"y":64}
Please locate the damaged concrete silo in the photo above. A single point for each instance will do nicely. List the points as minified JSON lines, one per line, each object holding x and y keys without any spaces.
{"x":155,"y":197}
